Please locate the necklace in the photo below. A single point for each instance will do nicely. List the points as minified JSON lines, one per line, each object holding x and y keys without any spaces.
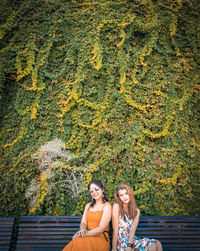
{"x":97,"y":207}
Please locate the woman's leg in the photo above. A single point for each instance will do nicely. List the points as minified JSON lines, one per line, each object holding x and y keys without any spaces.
{"x":159,"y":246}
{"x":155,"y":246}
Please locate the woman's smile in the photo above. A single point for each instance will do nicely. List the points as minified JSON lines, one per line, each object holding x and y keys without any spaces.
{"x":96,"y":192}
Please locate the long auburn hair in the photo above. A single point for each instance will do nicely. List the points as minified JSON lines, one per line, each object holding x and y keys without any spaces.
{"x":132,"y":207}
{"x":100,"y":185}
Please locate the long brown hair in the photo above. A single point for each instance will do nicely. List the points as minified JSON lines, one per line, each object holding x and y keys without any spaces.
{"x":131,"y":205}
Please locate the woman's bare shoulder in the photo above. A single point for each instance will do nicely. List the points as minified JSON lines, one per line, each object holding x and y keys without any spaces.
{"x":115,"y":207}
{"x":87,"y":206}
{"x":138,"y":211}
{"x":107,"y":204}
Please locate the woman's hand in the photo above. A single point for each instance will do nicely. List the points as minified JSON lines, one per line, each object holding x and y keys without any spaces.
{"x":76,"y":235}
{"x":83,"y":232}
{"x":80,"y":233}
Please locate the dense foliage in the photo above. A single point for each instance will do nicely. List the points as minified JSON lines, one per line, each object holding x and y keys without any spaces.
{"x":116,"y":81}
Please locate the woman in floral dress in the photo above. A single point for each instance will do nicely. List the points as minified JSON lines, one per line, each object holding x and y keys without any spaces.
{"x":125,"y":220}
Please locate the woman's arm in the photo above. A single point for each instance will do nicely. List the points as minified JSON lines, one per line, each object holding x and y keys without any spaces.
{"x":104,"y":221}
{"x":133,"y":228}
{"x":83,"y":225}
{"x":115,"y":225}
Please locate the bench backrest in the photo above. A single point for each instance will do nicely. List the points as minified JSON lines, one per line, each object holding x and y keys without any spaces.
{"x":52,"y":233}
{"x":46,"y":232}
{"x":6,"y":229}
{"x":174,"y":232}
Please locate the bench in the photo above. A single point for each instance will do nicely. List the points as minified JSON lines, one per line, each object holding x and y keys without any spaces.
{"x":52,"y":233}
{"x":6,"y":229}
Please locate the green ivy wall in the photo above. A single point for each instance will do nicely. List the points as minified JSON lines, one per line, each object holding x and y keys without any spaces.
{"x":118,"y":83}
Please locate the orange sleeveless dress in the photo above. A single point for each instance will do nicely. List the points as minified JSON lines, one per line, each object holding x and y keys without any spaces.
{"x":91,"y":243}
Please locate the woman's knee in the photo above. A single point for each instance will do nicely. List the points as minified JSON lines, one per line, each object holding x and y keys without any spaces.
{"x":155,"y":246}
{"x":158,"y":245}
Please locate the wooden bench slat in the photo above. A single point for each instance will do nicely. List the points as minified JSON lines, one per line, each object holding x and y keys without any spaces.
{"x":43,"y":247}
{"x":168,"y":234}
{"x":40,"y":248}
{"x":149,"y":228}
{"x":4,"y":247}
{"x":4,"y":234}
{"x":197,"y":224}
{"x":3,"y":238}
{"x":27,"y":230}
{"x":180,"y":249}
{"x":66,"y":240}
{"x":181,"y":245}
{"x":6,"y":230}
{"x":7,"y":219}
{"x":3,"y":242}
{"x":67,"y":219}
{"x":148,"y":220}
{"x":41,"y":218}
{"x":146,"y":231}
{"x":35,"y":245}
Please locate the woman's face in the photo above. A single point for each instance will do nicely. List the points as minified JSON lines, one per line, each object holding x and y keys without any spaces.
{"x":96,"y":192}
{"x":124,"y":196}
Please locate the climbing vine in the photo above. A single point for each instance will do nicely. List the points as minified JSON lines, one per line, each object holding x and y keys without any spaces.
{"x":118,"y":83}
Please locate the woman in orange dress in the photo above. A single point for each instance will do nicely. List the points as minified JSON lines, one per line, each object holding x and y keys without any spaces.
{"x":93,"y":233}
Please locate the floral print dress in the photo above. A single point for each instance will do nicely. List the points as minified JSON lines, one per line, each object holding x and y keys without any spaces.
{"x":123,"y":236}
